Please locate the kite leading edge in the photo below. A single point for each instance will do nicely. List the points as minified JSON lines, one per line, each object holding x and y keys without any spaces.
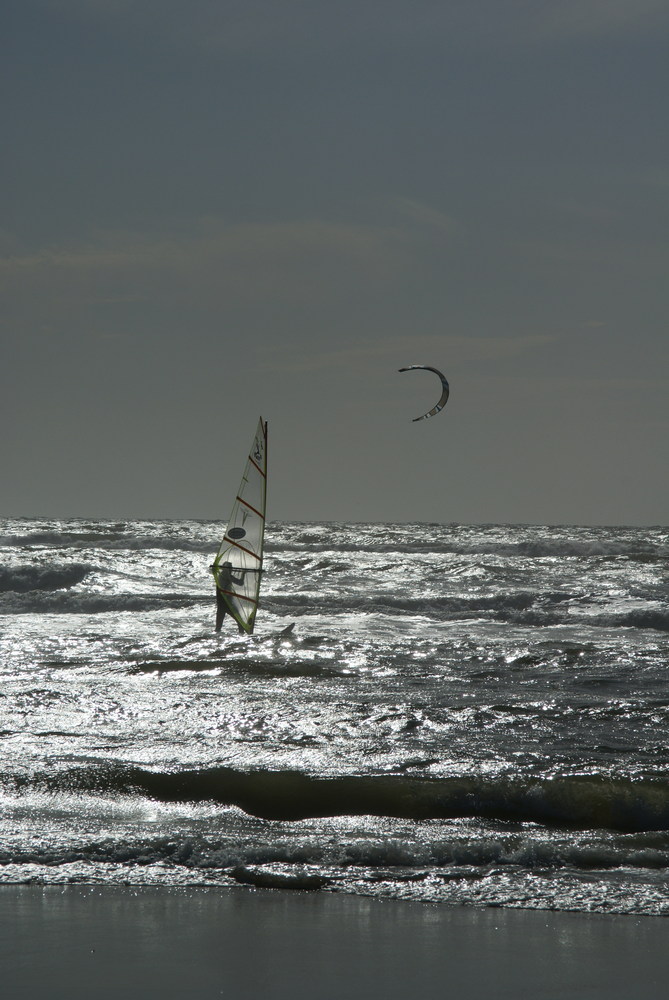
{"x":441,"y":403}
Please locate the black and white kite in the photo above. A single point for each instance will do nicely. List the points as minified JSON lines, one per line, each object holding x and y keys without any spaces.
{"x":441,"y":403}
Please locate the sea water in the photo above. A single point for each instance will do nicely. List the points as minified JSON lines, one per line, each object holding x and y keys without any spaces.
{"x":462,"y":714}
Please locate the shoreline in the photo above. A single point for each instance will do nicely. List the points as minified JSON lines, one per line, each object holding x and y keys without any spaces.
{"x":78,"y":941}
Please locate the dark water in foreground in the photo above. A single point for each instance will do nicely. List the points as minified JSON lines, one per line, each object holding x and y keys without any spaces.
{"x":463,"y":714}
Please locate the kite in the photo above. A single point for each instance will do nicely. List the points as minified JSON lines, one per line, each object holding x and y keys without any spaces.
{"x":441,"y":403}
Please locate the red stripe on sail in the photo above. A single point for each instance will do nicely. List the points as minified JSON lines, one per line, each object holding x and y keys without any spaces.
{"x":251,"y":507}
{"x":240,"y":597}
{"x":237,"y":545}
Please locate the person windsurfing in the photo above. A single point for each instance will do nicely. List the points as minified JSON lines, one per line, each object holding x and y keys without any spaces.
{"x":224,"y":581}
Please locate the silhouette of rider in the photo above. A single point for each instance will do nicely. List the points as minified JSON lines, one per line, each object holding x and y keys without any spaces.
{"x":224,"y":581}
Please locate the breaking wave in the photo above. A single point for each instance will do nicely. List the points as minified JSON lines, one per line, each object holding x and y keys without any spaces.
{"x":63,"y":602}
{"x":24,"y":579}
{"x":624,"y":805}
{"x":263,"y":866}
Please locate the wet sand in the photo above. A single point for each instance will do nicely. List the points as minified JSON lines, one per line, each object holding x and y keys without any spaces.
{"x":79,"y":942}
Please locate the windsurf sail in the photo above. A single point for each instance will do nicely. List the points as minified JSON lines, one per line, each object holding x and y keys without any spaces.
{"x":237,"y":567}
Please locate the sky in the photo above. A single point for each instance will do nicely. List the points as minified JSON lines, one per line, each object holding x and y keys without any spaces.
{"x":224,"y":208}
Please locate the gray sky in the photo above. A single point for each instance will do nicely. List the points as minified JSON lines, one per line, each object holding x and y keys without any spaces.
{"x":221,"y":208}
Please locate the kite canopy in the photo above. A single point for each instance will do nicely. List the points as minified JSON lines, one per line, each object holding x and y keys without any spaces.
{"x":441,"y":402}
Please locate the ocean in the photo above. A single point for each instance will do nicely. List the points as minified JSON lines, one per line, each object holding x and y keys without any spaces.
{"x":462,"y":714}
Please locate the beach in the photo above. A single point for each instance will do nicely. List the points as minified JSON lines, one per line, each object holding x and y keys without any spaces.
{"x":82,"y":941}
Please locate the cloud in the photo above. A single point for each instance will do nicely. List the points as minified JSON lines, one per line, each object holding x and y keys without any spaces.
{"x":251,"y":248}
{"x":250,"y":252}
{"x":414,"y":348}
{"x":313,"y":264}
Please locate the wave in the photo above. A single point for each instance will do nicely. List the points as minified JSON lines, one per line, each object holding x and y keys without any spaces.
{"x":477,"y":851}
{"x":539,"y":549}
{"x":646,"y":618}
{"x":54,"y":538}
{"x":91,"y":604}
{"x":528,"y":548}
{"x":106,"y":540}
{"x":653,"y":617}
{"x":519,"y":608}
{"x":570,"y":548}
{"x":24,"y":579}
{"x":590,"y":802}
{"x":50,"y":590}
{"x":285,"y":862}
{"x":644,"y":545}
{"x":263,"y":668}
{"x":448,"y":606}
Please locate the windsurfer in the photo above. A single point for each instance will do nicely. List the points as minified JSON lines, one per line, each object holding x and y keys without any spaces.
{"x":224,"y":581}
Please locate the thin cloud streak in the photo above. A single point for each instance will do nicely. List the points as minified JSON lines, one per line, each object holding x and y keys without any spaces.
{"x":292,"y":261}
{"x":367,"y":245}
{"x":412,"y":349}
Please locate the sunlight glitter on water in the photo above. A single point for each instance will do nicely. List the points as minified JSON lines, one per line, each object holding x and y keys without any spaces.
{"x":490,"y":655}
